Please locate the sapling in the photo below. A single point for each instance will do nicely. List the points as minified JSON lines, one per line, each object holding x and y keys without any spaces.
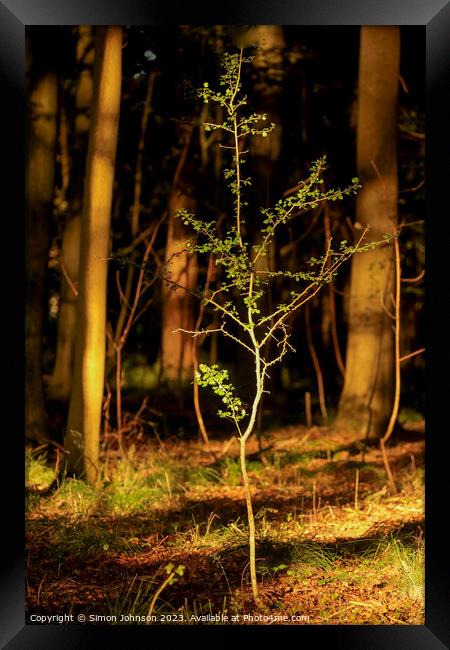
{"x":239,"y":298}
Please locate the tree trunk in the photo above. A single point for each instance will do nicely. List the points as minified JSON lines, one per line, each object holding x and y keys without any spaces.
{"x":268,"y":86}
{"x":60,"y":382}
{"x":268,"y":83}
{"x":366,"y":400}
{"x":83,"y":427}
{"x":42,"y":129}
{"x":178,"y":304}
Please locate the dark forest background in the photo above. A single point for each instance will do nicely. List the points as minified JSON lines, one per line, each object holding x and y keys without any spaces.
{"x":312,"y":92}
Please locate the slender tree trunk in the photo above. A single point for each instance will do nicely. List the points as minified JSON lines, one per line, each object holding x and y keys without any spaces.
{"x":42,"y":131}
{"x":366,"y":401}
{"x":83,"y":427}
{"x":60,"y":382}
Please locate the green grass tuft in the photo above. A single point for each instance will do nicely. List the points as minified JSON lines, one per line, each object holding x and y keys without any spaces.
{"x":38,"y":474}
{"x":75,"y":497}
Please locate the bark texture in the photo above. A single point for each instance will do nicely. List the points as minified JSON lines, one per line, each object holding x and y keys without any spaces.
{"x":60,"y":382}
{"x":42,"y":131}
{"x":366,"y":400}
{"x":83,"y":427}
{"x":178,"y":304}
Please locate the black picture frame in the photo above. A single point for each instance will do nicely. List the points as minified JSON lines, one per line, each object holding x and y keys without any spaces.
{"x":434,"y":16}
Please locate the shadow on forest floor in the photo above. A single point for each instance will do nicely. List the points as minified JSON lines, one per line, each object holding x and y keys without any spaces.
{"x":332,"y":543}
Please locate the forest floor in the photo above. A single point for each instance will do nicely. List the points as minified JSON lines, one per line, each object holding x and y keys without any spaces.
{"x":333,"y":545}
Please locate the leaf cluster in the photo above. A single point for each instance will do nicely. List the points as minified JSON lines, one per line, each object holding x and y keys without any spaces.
{"x":219,"y":381}
{"x":174,"y":572}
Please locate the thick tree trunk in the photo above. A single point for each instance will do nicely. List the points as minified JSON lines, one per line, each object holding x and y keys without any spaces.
{"x":60,"y":382}
{"x":366,"y":400}
{"x":42,"y":129}
{"x":83,"y":427}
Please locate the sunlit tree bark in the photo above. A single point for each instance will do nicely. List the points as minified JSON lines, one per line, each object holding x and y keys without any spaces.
{"x":366,"y":401}
{"x":42,"y":130}
{"x":178,"y":304}
{"x":59,"y":384}
{"x":83,"y":427}
{"x":268,"y":75}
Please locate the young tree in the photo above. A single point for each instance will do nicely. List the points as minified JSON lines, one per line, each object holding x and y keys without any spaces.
{"x":366,"y":400}
{"x":60,"y":382}
{"x":42,"y":129}
{"x":83,"y":426}
{"x":240,"y":295}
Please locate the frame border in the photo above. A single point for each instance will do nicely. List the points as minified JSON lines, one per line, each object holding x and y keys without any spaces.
{"x":435,"y":16}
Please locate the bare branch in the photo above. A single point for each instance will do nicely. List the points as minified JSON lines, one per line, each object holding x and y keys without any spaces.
{"x":123,"y":298}
{"x":66,"y":275}
{"x":385,"y":309}
{"x":416,"y":279}
{"x":221,"y":329}
{"x":411,"y":355}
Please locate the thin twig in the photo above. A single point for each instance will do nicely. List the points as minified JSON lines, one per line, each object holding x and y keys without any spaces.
{"x":122,"y":294}
{"x":408,"y":224}
{"x":403,"y":84}
{"x":66,"y":275}
{"x":120,"y":343}
{"x":121,"y":252}
{"x":334,"y":334}
{"x":396,"y":404}
{"x":198,"y":411}
{"x":136,"y":206}
{"x":416,"y":279}
{"x":182,"y":159}
{"x":413,"y":189}
{"x":316,"y":364}
{"x":380,"y":178}
{"x":385,"y":309}
{"x":411,"y":355}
